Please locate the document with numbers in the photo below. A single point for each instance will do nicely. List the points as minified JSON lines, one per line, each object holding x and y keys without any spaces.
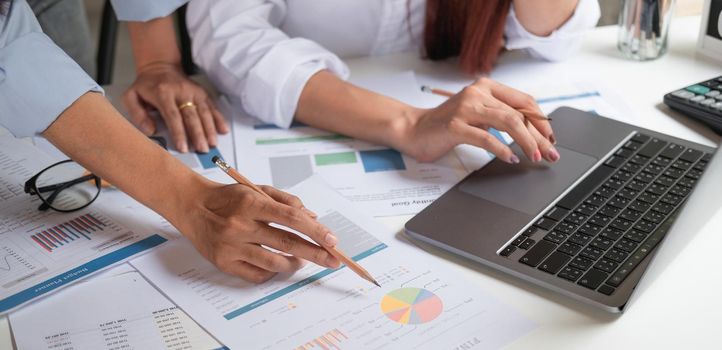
{"x":419,"y":305}
{"x":113,"y":311}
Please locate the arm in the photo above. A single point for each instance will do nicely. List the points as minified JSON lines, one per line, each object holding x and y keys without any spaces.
{"x":542,"y":17}
{"x":276,"y":78}
{"x":227,"y":224}
{"x":549,"y":29}
{"x":427,"y":134}
{"x":161,"y":84}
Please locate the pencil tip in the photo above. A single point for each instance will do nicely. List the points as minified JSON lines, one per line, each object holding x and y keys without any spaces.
{"x":425,"y":88}
{"x":377,"y":284}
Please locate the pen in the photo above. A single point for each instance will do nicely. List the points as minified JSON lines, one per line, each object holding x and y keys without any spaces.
{"x":354,"y":266}
{"x":528,"y":113}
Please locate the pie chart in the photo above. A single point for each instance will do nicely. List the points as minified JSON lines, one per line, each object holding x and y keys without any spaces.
{"x":411,"y":306}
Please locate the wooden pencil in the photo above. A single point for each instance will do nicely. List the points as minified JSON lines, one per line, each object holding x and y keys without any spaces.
{"x":354,"y":266}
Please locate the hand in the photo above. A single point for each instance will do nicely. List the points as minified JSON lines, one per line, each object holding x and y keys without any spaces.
{"x":230,"y":229}
{"x":465,"y":118}
{"x":164,"y":87}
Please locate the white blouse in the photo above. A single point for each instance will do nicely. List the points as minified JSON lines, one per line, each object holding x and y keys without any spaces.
{"x":261,"y":53}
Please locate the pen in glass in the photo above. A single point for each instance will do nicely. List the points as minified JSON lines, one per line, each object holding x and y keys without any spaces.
{"x":354,"y":266}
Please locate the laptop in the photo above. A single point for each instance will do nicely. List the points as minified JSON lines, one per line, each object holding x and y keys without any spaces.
{"x":587,"y":226}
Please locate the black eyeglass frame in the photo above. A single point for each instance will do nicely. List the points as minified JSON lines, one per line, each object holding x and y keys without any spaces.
{"x":31,"y":188}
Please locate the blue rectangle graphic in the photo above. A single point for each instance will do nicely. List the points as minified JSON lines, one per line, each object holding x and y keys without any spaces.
{"x":306,"y":281}
{"x":206,"y":159}
{"x":382,"y":160}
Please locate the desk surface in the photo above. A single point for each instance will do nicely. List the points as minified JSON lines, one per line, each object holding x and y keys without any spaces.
{"x":681,"y":307}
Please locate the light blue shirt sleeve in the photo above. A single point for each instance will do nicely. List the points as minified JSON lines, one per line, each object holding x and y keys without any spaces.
{"x":144,"y":10}
{"x":38,"y":81}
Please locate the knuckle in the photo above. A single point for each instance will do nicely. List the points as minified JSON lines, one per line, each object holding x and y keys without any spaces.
{"x":319,"y":255}
{"x":271,"y":261}
{"x":286,"y":243}
{"x":528,"y":100}
{"x":294,"y":215}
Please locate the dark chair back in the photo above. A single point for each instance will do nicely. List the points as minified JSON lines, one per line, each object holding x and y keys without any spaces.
{"x":109,"y":37}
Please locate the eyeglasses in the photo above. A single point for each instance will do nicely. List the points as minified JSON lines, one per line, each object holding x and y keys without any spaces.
{"x":64,"y":186}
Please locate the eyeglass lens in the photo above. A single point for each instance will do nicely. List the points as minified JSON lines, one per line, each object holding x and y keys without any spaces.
{"x":67,"y":186}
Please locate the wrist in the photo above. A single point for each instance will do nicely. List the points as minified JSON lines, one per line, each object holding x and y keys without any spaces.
{"x":401,"y":129}
{"x":158,"y":65}
{"x":186,"y":203}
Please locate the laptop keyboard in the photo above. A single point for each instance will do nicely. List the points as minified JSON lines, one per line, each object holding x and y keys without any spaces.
{"x":608,"y":223}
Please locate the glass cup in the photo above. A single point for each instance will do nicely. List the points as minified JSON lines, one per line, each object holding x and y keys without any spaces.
{"x":643,"y":28}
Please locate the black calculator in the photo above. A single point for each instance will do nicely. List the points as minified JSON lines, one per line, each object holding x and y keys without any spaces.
{"x":701,"y":101}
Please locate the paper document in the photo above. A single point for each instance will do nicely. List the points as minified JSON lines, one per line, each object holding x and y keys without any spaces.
{"x":41,"y":251}
{"x":119,"y":310}
{"x":382,"y":181}
{"x":419,"y":306}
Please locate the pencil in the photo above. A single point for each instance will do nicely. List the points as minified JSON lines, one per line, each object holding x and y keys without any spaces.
{"x":354,"y":266}
{"x":528,"y":113}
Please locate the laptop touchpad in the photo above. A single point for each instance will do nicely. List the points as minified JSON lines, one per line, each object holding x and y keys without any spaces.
{"x":527,"y":187}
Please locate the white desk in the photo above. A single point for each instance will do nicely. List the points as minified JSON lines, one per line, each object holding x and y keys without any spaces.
{"x":682,"y":308}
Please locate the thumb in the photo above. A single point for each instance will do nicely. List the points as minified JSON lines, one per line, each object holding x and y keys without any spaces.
{"x":138,"y":114}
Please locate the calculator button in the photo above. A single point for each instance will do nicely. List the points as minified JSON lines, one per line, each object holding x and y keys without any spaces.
{"x":698,"y":89}
{"x":712,"y":93}
{"x":707,"y":102}
{"x":698,"y":98}
{"x":683,"y":94}
{"x":717,"y":105}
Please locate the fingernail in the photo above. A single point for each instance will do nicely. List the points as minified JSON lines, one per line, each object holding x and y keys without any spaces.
{"x":537,"y":156}
{"x":514,"y":159}
{"x":331,"y":261}
{"x":553,"y":154}
{"x":552,"y":139}
{"x":330,"y":239}
{"x":182,"y":147}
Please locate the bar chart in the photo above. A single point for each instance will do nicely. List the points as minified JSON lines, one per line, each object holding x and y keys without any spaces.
{"x":80,"y":228}
{"x":330,"y":340}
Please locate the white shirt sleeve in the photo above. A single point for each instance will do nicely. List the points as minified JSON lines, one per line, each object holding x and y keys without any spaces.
{"x":250,"y":60}
{"x":560,"y":43}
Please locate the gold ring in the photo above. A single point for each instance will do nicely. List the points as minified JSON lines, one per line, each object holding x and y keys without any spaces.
{"x":186,"y":105}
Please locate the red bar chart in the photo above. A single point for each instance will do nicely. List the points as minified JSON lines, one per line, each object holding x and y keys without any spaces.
{"x":81,"y":228}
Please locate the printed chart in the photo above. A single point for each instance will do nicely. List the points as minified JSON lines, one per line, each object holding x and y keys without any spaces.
{"x":379,"y":180}
{"x":418,"y":306}
{"x":411,"y":306}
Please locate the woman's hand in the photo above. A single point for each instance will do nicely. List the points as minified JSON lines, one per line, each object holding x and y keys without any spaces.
{"x":230,"y":227}
{"x":465,"y":119}
{"x":164,"y":87}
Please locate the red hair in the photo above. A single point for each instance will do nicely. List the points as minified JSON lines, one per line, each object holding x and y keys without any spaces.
{"x":470,"y":29}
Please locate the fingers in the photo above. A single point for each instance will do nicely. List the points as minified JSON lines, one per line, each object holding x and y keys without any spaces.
{"x":548,"y":151}
{"x":174,"y":121}
{"x":481,"y":138}
{"x":286,"y":198}
{"x":221,"y":124}
{"x":246,"y":271}
{"x":520,"y":100}
{"x":292,"y":244}
{"x":209,"y":125}
{"x":268,"y":260}
{"x":194,"y":128}
{"x":299,"y":220}
{"x":138,"y":114}
{"x":511,"y":121}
